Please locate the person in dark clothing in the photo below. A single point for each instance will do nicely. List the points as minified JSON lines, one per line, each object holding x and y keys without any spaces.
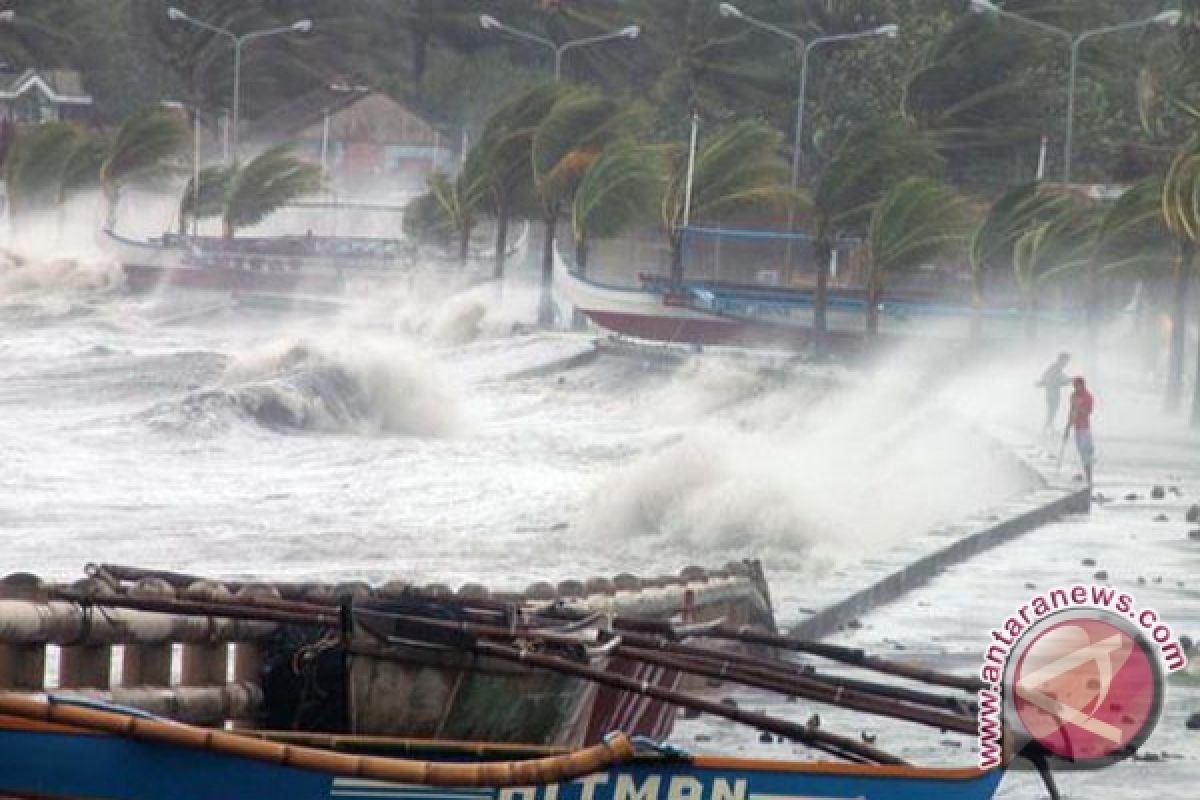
{"x":1052,"y":382}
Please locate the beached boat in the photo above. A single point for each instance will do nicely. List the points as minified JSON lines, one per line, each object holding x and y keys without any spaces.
{"x":51,"y":747}
{"x":279,"y":264}
{"x":720,"y":313}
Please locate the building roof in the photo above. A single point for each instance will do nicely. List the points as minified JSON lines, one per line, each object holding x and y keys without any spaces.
{"x":62,"y":86}
{"x":355,"y":115}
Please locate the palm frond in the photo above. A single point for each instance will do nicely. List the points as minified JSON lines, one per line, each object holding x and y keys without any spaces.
{"x":271,"y":180}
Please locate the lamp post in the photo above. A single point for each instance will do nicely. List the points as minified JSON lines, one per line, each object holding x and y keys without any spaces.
{"x":1075,"y":41}
{"x":488,"y":23}
{"x":805,"y":48}
{"x":299,"y":26}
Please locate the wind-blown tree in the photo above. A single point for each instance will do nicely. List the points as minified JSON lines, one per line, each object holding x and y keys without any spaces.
{"x":459,"y":200}
{"x":207,"y":197}
{"x":916,"y":221}
{"x":146,"y":145}
{"x":1181,"y":211}
{"x":993,"y":244}
{"x":268,"y":182}
{"x":34,"y":168}
{"x":1132,"y":242}
{"x":566,"y":144}
{"x":1058,"y":248}
{"x":738,"y":168}
{"x":616,"y":192}
{"x":505,"y":153}
{"x":869,"y":161}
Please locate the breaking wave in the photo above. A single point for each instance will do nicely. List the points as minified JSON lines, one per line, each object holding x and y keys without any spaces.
{"x":55,"y":287}
{"x":305,"y":386}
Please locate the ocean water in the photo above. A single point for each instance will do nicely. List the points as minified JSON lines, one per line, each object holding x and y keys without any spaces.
{"x":429,"y":437}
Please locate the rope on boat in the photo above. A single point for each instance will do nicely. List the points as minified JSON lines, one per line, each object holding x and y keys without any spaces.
{"x":568,"y":766}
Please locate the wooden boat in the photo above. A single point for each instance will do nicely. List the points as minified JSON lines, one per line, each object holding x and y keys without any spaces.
{"x":719,"y":313}
{"x":281,"y":264}
{"x":292,"y":676}
{"x":60,"y":748}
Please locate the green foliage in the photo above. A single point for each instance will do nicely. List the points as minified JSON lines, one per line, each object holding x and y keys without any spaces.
{"x":619,"y":190}
{"x":34,"y":168}
{"x":1021,"y":209}
{"x":206,"y":197}
{"x":916,"y":221}
{"x":271,"y":180}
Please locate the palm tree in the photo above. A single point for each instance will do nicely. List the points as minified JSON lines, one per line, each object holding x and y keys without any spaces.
{"x":271,"y":180}
{"x":618,"y":190}
{"x":145,"y":145}
{"x":916,"y":221}
{"x":505,"y":152}
{"x":993,"y":245}
{"x":459,"y":200}
{"x":870,"y":160}
{"x":1132,"y":239}
{"x":34,"y":168}
{"x":1180,"y":210}
{"x":738,"y":168}
{"x":206,"y":197}
{"x":1058,"y":247}
{"x":566,"y":144}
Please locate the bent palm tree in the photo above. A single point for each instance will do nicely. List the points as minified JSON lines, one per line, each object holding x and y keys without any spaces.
{"x":144,"y":146}
{"x":270,"y":181}
{"x":869,"y":161}
{"x":992,"y":246}
{"x":458,"y":202}
{"x":207,"y":197}
{"x":916,"y":221}
{"x":33,"y":170}
{"x":619,"y":189}
{"x":1058,"y":247}
{"x":737,"y":169}
{"x":566,"y":144}
{"x":1181,"y":212}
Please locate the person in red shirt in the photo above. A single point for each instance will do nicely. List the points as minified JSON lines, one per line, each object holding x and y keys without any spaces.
{"x":1080,"y":419}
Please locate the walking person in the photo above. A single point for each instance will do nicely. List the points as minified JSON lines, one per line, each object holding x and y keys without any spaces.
{"x":1079,"y":418}
{"x":1052,"y":382}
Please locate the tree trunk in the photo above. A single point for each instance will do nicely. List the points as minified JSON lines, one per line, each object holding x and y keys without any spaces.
{"x":1183,"y":274}
{"x":824,"y":256}
{"x":677,"y":259}
{"x":581,"y":255}
{"x":1031,"y":318}
{"x":464,"y":245}
{"x":1091,"y":311}
{"x":546,"y":301}
{"x":501,"y":242}
{"x":874,"y":293}
{"x":976,"y":332}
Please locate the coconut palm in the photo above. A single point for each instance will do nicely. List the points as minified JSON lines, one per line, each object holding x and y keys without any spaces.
{"x":992,"y":246}
{"x":146,"y":144}
{"x":1057,"y":248}
{"x":271,"y":180}
{"x":459,"y":201}
{"x":566,"y":144}
{"x":1132,"y":241}
{"x":916,"y":221}
{"x":206,"y":197}
{"x":34,"y":168}
{"x":505,"y":151}
{"x":1181,"y":212}
{"x":870,"y":160}
{"x":738,"y":168}
{"x":618,"y":190}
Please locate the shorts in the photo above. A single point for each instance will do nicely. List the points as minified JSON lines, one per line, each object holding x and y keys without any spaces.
{"x":1083,"y":443}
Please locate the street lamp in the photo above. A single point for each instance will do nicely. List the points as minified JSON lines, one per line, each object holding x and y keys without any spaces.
{"x":489,"y":23}
{"x":299,"y":26}
{"x":1075,"y":41}
{"x":732,"y":11}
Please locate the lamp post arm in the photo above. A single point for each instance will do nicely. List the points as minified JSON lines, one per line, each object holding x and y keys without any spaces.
{"x":245,"y":37}
{"x":775,"y":29}
{"x":1033,"y":23}
{"x":527,"y":36}
{"x":587,"y":40}
{"x":199,"y":23}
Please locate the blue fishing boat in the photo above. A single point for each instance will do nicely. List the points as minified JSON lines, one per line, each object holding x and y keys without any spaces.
{"x":59,"y":747}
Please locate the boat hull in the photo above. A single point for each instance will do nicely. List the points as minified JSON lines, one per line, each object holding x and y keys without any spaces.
{"x":57,"y":761}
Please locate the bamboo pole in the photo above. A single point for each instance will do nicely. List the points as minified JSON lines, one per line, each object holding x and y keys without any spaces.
{"x":198,"y":705}
{"x":560,"y":768}
{"x":96,"y":621}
